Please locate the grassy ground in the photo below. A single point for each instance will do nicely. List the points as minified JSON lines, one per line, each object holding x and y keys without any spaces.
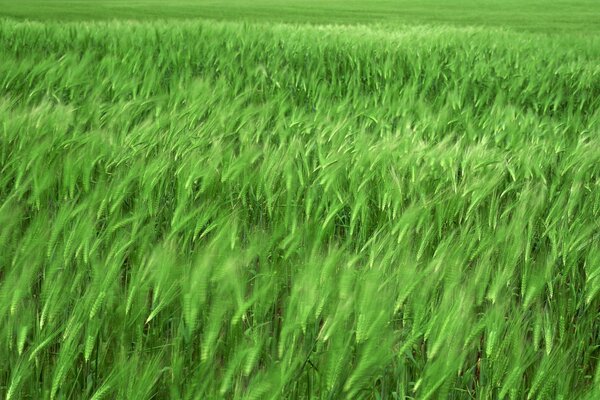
{"x":206,"y":210}
{"x":580,"y":16}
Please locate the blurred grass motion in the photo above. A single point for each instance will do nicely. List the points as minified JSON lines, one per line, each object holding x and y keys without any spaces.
{"x":203,"y":210}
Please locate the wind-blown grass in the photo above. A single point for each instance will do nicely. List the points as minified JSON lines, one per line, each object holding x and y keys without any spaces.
{"x":220,"y":210}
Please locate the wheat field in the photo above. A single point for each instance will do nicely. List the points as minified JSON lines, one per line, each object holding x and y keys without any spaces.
{"x":211,"y":209}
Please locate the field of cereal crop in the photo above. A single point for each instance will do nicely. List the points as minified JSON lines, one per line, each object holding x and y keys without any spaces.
{"x":299,"y":200}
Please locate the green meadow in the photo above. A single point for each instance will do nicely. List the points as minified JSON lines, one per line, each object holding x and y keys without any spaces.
{"x":299,"y":200}
{"x":580,"y":16}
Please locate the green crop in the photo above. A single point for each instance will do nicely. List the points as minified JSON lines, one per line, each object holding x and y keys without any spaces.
{"x":550,"y":16}
{"x":204,"y":210}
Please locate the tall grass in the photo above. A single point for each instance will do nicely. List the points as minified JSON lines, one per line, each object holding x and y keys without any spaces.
{"x":219,"y":210}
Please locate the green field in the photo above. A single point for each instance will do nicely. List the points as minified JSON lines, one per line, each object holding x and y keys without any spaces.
{"x":580,"y":16}
{"x":299,"y":200}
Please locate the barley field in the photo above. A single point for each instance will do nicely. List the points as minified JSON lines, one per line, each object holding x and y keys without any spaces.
{"x":200,"y":204}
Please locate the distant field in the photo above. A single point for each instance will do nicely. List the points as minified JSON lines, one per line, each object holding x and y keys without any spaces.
{"x":245,"y":209}
{"x":581,"y":16}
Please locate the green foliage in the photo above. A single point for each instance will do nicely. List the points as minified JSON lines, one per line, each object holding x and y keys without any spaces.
{"x":225,"y":210}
